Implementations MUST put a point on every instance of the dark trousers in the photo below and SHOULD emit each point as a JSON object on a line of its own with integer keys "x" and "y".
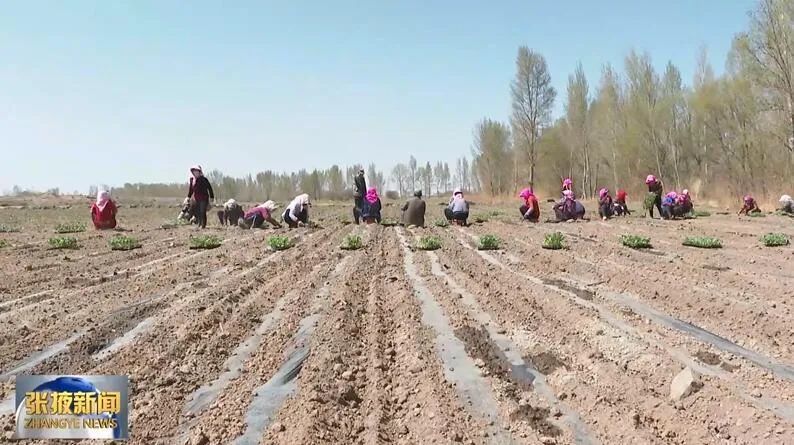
{"x": 201, "y": 213}
{"x": 657, "y": 202}
{"x": 621, "y": 209}
{"x": 605, "y": 210}
{"x": 302, "y": 217}
{"x": 457, "y": 216}
{"x": 666, "y": 211}
{"x": 357, "y": 203}
{"x": 523, "y": 209}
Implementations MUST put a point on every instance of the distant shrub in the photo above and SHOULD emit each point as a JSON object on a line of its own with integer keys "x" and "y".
{"x": 124, "y": 243}
{"x": 63, "y": 242}
{"x": 8, "y": 229}
{"x": 636, "y": 241}
{"x": 703, "y": 242}
{"x": 489, "y": 242}
{"x": 205, "y": 242}
{"x": 279, "y": 242}
{"x": 352, "y": 242}
{"x": 775, "y": 239}
{"x": 554, "y": 241}
{"x": 70, "y": 228}
{"x": 429, "y": 243}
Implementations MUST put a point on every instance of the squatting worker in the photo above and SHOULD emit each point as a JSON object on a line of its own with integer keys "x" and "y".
{"x": 530, "y": 210}
{"x": 256, "y": 217}
{"x": 414, "y": 211}
{"x": 750, "y": 205}
{"x": 371, "y": 207}
{"x": 103, "y": 211}
{"x": 201, "y": 192}
{"x": 360, "y": 188}
{"x": 231, "y": 213}
{"x": 297, "y": 212}
{"x": 458, "y": 208}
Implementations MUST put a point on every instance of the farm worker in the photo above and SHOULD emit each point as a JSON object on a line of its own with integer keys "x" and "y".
{"x": 255, "y": 217}
{"x": 103, "y": 211}
{"x": 683, "y": 204}
{"x": 458, "y": 208}
{"x": 620, "y": 203}
{"x": 668, "y": 202}
{"x": 530, "y": 210}
{"x": 568, "y": 209}
{"x": 297, "y": 212}
{"x": 371, "y": 206}
{"x": 654, "y": 198}
{"x": 750, "y": 206}
{"x": 786, "y": 204}
{"x": 201, "y": 192}
{"x": 231, "y": 213}
{"x": 605, "y": 207}
{"x": 414, "y": 211}
{"x": 187, "y": 210}
{"x": 360, "y": 188}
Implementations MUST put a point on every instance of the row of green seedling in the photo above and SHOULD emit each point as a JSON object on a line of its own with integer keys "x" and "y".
{"x": 70, "y": 228}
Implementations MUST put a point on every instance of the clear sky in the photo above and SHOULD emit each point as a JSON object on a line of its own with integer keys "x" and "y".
{"x": 137, "y": 91}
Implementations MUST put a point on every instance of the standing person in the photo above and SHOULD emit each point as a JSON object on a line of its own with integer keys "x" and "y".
{"x": 360, "y": 188}
{"x": 371, "y": 207}
{"x": 458, "y": 208}
{"x": 750, "y": 206}
{"x": 530, "y": 210}
{"x": 654, "y": 198}
{"x": 231, "y": 213}
{"x": 256, "y": 217}
{"x": 414, "y": 211}
{"x": 201, "y": 192}
{"x": 103, "y": 211}
{"x": 297, "y": 212}
{"x": 621, "y": 208}
{"x": 605, "y": 205}
{"x": 786, "y": 204}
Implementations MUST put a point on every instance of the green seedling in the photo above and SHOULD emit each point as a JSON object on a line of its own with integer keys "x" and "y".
{"x": 650, "y": 198}
{"x": 479, "y": 219}
{"x": 442, "y": 222}
{"x": 3, "y": 243}
{"x": 701, "y": 214}
{"x": 636, "y": 241}
{"x": 429, "y": 243}
{"x": 205, "y": 242}
{"x": 775, "y": 240}
{"x": 63, "y": 242}
{"x": 352, "y": 242}
{"x": 388, "y": 222}
{"x": 703, "y": 242}
{"x": 8, "y": 229}
{"x": 554, "y": 241}
{"x": 70, "y": 228}
{"x": 489, "y": 242}
{"x": 757, "y": 215}
{"x": 279, "y": 242}
{"x": 124, "y": 243}
{"x": 495, "y": 213}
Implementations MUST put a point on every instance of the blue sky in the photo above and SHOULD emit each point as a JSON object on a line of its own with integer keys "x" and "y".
{"x": 137, "y": 91}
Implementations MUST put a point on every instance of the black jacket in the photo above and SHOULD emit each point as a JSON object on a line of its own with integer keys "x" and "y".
{"x": 360, "y": 187}
{"x": 200, "y": 188}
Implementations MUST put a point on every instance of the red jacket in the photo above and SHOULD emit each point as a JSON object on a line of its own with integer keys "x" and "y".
{"x": 106, "y": 218}
{"x": 532, "y": 202}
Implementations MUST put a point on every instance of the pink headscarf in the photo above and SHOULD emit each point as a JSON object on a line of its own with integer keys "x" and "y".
{"x": 567, "y": 181}
{"x": 102, "y": 199}
{"x": 372, "y": 196}
{"x": 603, "y": 192}
{"x": 567, "y": 194}
{"x": 526, "y": 193}
{"x": 748, "y": 199}
{"x": 650, "y": 179}
{"x": 672, "y": 195}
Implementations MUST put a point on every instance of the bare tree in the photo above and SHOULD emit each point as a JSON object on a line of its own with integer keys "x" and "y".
{"x": 400, "y": 175}
{"x": 533, "y": 98}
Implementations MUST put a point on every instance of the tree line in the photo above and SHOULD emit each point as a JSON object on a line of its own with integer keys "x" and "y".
{"x": 334, "y": 183}
{"x": 732, "y": 133}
